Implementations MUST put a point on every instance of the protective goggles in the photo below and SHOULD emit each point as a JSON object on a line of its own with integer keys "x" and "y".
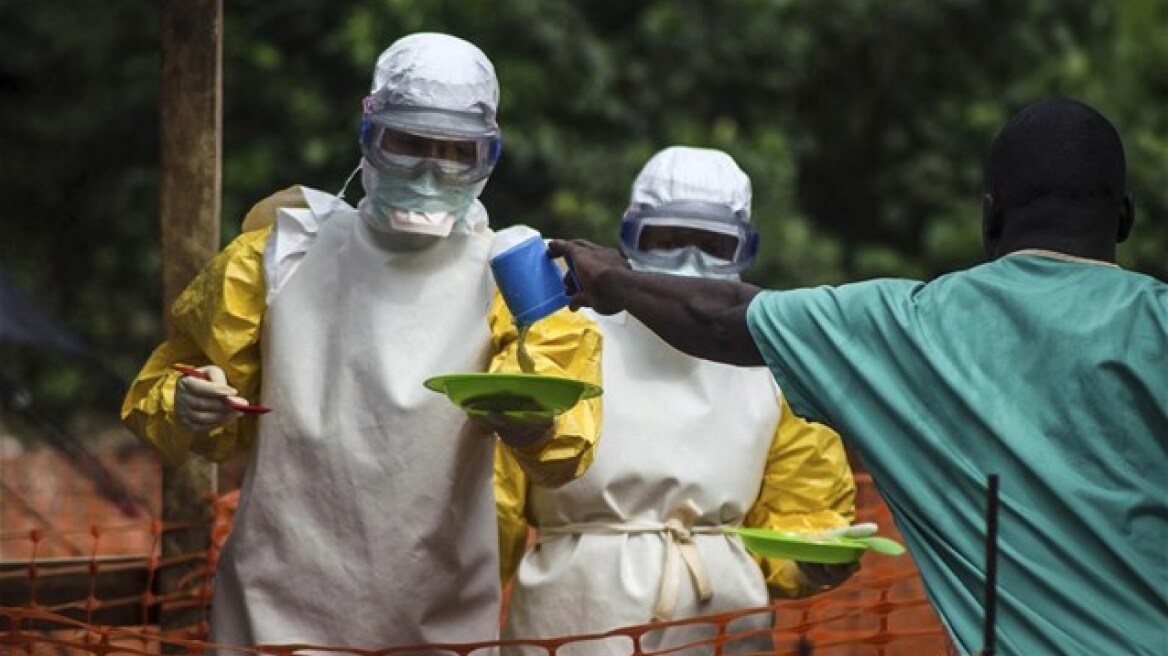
{"x": 406, "y": 142}
{"x": 661, "y": 236}
{"x": 406, "y": 154}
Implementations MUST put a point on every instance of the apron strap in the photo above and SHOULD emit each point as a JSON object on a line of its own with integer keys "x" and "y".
{"x": 680, "y": 548}
{"x": 681, "y": 553}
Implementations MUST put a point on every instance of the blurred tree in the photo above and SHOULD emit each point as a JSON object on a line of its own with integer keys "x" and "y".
{"x": 862, "y": 125}
{"x": 79, "y": 128}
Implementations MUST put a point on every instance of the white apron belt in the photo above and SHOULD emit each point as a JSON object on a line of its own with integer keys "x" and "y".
{"x": 677, "y": 531}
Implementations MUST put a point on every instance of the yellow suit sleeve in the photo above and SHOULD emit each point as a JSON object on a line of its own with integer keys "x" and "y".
{"x": 216, "y": 320}
{"x": 511, "y": 511}
{"x": 807, "y": 487}
{"x": 565, "y": 344}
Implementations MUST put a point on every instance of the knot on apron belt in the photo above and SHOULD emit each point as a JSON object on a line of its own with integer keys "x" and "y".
{"x": 679, "y": 548}
{"x": 678, "y": 530}
{"x": 681, "y": 554}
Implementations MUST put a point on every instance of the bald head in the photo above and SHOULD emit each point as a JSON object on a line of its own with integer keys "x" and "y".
{"x": 1056, "y": 179}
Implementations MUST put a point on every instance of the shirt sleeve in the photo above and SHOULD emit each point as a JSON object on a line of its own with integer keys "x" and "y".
{"x": 835, "y": 349}
{"x": 807, "y": 488}
{"x": 565, "y": 344}
{"x": 216, "y": 320}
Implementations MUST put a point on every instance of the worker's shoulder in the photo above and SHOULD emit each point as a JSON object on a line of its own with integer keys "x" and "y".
{"x": 1149, "y": 291}
{"x": 260, "y": 220}
{"x": 248, "y": 244}
{"x": 295, "y": 213}
{"x": 263, "y": 214}
{"x": 1146, "y": 283}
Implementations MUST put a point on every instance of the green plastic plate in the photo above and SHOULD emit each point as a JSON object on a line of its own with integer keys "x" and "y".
{"x": 512, "y": 394}
{"x": 796, "y": 546}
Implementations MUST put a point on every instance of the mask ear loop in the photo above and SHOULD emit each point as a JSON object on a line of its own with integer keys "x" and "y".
{"x": 341, "y": 194}
{"x": 368, "y": 105}
{"x": 339, "y": 197}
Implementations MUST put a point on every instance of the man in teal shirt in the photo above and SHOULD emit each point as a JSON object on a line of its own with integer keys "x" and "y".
{"x": 1048, "y": 366}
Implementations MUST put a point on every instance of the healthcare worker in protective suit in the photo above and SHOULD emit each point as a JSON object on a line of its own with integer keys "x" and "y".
{"x": 689, "y": 447}
{"x": 366, "y": 514}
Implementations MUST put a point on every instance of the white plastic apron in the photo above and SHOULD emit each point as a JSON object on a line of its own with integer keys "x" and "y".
{"x": 677, "y": 432}
{"x": 367, "y": 514}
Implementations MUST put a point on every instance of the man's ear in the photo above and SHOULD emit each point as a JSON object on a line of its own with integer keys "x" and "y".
{"x": 991, "y": 224}
{"x": 1127, "y": 216}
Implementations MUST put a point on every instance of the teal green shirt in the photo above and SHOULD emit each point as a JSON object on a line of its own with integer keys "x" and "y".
{"x": 1051, "y": 373}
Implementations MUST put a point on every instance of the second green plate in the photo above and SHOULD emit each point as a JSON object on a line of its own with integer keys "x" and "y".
{"x": 796, "y": 546}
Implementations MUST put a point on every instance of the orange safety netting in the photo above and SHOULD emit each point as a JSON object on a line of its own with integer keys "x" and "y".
{"x": 62, "y": 591}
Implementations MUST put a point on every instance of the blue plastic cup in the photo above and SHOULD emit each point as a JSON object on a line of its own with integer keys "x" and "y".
{"x": 531, "y": 283}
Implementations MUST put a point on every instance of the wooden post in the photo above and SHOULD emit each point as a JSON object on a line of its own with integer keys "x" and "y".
{"x": 192, "y": 66}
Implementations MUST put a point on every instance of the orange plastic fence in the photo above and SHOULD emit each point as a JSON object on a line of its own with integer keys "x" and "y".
{"x": 74, "y": 637}
{"x": 882, "y": 611}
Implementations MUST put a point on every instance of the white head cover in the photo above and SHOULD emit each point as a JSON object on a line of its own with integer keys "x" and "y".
{"x": 436, "y": 85}
{"x": 430, "y": 71}
{"x": 681, "y": 173}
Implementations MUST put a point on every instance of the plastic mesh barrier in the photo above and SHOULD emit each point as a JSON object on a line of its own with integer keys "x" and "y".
{"x": 91, "y": 589}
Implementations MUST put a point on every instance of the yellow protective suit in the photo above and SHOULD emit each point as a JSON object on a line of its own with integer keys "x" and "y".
{"x": 365, "y": 516}
{"x": 690, "y": 447}
{"x": 807, "y": 486}
{"x": 217, "y": 320}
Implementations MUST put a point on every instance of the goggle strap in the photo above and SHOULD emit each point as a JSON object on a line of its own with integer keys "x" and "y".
{"x": 713, "y": 226}
{"x": 698, "y": 209}
{"x": 379, "y": 111}
{"x": 494, "y": 144}
{"x": 751, "y": 246}
{"x": 628, "y": 233}
{"x": 363, "y": 132}
{"x": 496, "y": 149}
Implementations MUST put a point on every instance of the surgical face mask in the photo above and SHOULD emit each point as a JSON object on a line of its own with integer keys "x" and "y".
{"x": 688, "y": 262}
{"x": 417, "y": 205}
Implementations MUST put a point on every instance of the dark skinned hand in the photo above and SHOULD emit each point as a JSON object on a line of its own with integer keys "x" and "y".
{"x": 591, "y": 265}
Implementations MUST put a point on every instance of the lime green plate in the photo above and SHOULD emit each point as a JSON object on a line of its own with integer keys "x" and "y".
{"x": 797, "y": 546}
{"x": 512, "y": 394}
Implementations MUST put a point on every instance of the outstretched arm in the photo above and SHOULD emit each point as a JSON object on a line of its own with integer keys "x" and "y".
{"x": 701, "y": 317}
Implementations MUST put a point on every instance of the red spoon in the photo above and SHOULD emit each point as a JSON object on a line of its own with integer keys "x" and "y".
{"x": 233, "y": 402}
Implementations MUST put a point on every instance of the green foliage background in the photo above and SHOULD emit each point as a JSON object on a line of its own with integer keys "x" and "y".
{"x": 862, "y": 123}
